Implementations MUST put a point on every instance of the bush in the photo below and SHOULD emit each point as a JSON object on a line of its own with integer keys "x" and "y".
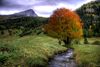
{"x": 86, "y": 41}
{"x": 6, "y": 48}
{"x": 8, "y": 55}
{"x": 96, "y": 43}
{"x": 3, "y": 58}
{"x": 27, "y": 32}
{"x": 2, "y": 32}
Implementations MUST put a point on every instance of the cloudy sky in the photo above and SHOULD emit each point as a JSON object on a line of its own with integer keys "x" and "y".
{"x": 41, "y": 7}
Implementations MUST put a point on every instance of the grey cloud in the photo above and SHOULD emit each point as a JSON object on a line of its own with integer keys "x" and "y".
{"x": 34, "y": 2}
{"x": 2, "y": 3}
{"x": 20, "y": 5}
{"x": 31, "y": 3}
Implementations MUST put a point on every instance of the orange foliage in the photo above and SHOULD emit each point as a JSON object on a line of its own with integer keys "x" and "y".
{"x": 64, "y": 23}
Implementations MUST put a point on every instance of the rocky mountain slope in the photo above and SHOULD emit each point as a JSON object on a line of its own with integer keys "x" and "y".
{"x": 26, "y": 13}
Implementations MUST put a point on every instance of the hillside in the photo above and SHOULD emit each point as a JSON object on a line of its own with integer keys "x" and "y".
{"x": 21, "y": 24}
{"x": 90, "y": 15}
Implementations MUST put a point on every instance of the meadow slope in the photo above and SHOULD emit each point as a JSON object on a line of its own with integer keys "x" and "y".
{"x": 28, "y": 51}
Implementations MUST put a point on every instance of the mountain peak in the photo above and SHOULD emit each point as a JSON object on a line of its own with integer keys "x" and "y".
{"x": 28, "y": 12}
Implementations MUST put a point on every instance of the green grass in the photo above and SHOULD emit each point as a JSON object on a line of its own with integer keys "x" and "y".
{"x": 88, "y": 55}
{"x": 34, "y": 51}
{"x": 30, "y": 51}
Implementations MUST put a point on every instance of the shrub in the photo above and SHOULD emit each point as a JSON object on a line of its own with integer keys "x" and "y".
{"x": 96, "y": 43}
{"x": 8, "y": 55}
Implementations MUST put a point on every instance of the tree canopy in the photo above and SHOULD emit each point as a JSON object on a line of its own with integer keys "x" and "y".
{"x": 64, "y": 24}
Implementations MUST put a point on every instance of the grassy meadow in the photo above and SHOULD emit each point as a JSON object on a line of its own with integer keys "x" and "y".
{"x": 88, "y": 55}
{"x": 28, "y": 51}
{"x": 35, "y": 51}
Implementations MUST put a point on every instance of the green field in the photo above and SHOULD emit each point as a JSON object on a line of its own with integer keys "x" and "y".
{"x": 88, "y": 55}
{"x": 35, "y": 50}
{"x": 28, "y": 51}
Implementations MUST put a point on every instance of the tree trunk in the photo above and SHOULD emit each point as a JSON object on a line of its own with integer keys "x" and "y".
{"x": 59, "y": 42}
{"x": 67, "y": 41}
{"x": 86, "y": 41}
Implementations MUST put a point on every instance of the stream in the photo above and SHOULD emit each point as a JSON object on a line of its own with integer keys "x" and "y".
{"x": 63, "y": 60}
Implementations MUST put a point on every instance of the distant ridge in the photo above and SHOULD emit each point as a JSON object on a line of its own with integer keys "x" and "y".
{"x": 26, "y": 13}
{"x": 29, "y": 12}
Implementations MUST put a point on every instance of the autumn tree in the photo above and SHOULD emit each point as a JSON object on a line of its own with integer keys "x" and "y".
{"x": 64, "y": 25}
